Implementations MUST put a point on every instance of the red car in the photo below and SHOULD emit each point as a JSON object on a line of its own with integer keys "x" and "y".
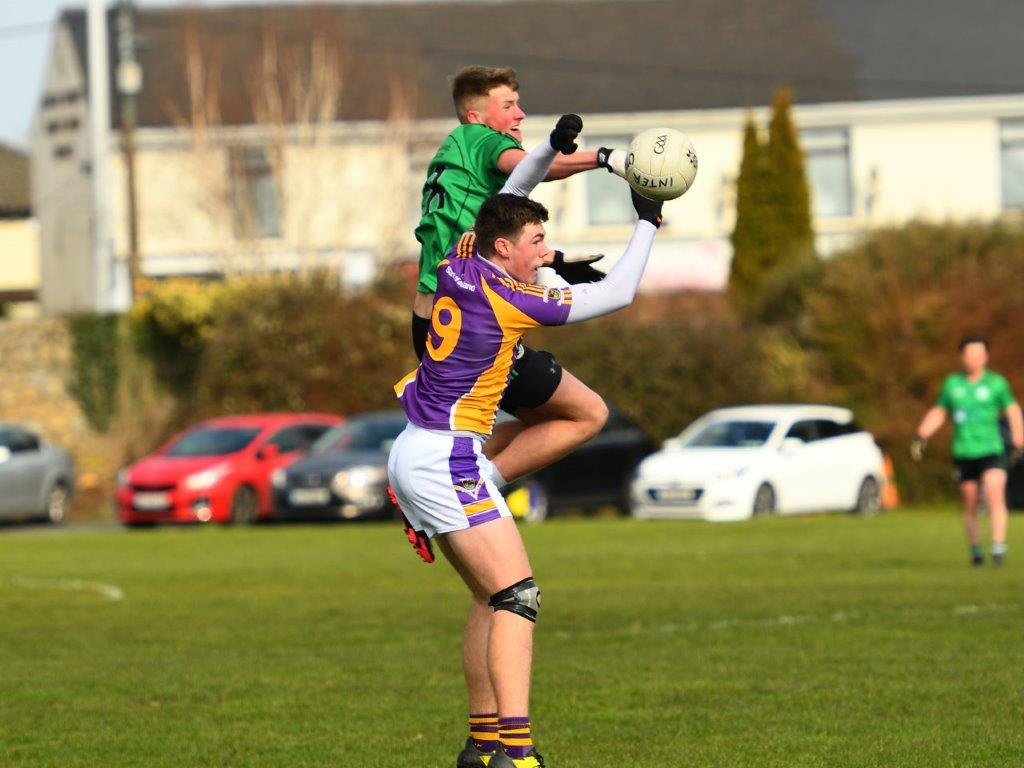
{"x": 218, "y": 470}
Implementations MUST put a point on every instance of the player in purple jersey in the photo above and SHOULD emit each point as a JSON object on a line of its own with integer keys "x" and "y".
{"x": 540, "y": 393}
{"x": 486, "y": 299}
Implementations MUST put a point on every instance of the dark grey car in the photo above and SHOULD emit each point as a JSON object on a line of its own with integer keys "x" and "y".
{"x": 36, "y": 479}
{"x": 344, "y": 476}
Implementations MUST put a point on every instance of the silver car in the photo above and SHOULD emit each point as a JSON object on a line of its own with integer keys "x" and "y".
{"x": 36, "y": 479}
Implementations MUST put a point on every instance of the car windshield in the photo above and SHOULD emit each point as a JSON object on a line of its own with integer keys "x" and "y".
{"x": 359, "y": 435}
{"x": 213, "y": 441}
{"x": 732, "y": 434}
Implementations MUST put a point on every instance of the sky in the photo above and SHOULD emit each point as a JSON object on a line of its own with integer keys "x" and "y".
{"x": 26, "y": 27}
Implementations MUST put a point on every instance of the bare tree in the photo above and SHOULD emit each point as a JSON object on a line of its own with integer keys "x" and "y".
{"x": 288, "y": 190}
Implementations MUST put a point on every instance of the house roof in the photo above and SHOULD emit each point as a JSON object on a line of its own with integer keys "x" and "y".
{"x": 14, "y": 189}
{"x": 581, "y": 55}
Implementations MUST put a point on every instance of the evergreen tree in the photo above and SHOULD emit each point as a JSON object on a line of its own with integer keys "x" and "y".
{"x": 750, "y": 237}
{"x": 773, "y": 238}
{"x": 791, "y": 197}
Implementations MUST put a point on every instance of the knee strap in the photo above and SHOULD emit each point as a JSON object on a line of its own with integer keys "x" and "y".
{"x": 522, "y": 599}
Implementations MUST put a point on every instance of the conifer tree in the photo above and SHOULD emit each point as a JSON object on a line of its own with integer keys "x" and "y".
{"x": 749, "y": 237}
{"x": 791, "y": 197}
{"x": 773, "y": 237}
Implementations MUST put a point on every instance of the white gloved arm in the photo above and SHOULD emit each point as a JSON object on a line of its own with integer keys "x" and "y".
{"x": 530, "y": 172}
{"x": 618, "y": 289}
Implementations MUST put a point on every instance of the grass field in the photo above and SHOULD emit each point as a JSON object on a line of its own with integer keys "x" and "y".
{"x": 822, "y": 641}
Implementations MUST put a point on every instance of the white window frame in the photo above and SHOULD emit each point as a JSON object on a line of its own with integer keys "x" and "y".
{"x": 600, "y": 179}
{"x": 242, "y": 167}
{"x": 1011, "y": 137}
{"x": 831, "y": 142}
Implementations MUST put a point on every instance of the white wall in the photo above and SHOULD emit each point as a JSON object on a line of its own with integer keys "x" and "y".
{"x": 934, "y": 159}
{"x": 60, "y": 187}
{"x": 356, "y": 191}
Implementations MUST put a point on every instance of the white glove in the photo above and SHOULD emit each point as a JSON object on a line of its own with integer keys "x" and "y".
{"x": 612, "y": 159}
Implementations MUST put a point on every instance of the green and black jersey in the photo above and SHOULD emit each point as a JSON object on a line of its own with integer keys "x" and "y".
{"x": 463, "y": 174}
{"x": 974, "y": 408}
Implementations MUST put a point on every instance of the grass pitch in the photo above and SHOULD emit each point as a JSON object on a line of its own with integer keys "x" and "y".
{"x": 822, "y": 641}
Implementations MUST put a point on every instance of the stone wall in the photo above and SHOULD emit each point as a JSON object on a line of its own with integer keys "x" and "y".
{"x": 35, "y": 368}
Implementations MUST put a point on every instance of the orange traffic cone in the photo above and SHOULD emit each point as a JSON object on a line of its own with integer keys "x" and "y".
{"x": 890, "y": 494}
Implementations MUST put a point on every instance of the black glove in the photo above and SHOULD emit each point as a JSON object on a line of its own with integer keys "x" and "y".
{"x": 577, "y": 269}
{"x": 917, "y": 448}
{"x": 1013, "y": 457}
{"x": 563, "y": 138}
{"x": 647, "y": 210}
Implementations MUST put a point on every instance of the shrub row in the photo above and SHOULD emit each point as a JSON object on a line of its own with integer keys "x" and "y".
{"x": 875, "y": 329}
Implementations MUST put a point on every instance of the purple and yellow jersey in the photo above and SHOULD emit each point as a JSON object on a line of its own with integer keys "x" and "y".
{"x": 479, "y": 315}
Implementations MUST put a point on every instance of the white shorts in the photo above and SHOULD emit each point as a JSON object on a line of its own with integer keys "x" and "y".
{"x": 443, "y": 481}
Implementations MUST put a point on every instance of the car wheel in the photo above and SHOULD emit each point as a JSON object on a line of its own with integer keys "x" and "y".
{"x": 243, "y": 505}
{"x": 58, "y": 504}
{"x": 869, "y": 497}
{"x": 764, "y": 500}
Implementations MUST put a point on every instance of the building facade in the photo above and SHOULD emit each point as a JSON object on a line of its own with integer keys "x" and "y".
{"x": 288, "y": 138}
{"x": 19, "y": 237}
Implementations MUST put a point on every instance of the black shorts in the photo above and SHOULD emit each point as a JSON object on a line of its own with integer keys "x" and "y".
{"x": 535, "y": 375}
{"x": 966, "y": 470}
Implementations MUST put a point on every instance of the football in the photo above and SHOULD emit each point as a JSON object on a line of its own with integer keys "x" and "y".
{"x": 661, "y": 164}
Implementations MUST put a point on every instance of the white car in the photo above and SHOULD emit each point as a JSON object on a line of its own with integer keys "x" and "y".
{"x": 735, "y": 463}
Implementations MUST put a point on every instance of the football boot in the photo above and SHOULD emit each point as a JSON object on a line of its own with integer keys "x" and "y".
{"x": 472, "y": 757}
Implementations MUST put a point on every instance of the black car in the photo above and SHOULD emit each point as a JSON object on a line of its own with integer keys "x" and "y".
{"x": 597, "y": 474}
{"x": 344, "y": 476}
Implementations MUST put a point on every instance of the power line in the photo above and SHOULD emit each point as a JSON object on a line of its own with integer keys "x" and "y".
{"x": 24, "y": 30}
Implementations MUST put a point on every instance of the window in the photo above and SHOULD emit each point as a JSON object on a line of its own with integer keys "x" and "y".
{"x": 804, "y": 430}
{"x": 828, "y": 171}
{"x": 732, "y": 434}
{"x": 212, "y": 441}
{"x": 608, "y": 203}
{"x": 19, "y": 441}
{"x": 299, "y": 437}
{"x": 372, "y": 434}
{"x": 254, "y": 193}
{"x": 1012, "y": 163}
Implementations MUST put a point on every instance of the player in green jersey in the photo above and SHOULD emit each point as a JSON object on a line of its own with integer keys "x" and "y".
{"x": 975, "y": 399}
{"x": 473, "y": 163}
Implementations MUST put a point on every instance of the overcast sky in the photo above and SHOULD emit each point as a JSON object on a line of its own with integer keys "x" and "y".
{"x": 25, "y": 31}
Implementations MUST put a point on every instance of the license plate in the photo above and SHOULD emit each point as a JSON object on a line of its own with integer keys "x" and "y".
{"x": 677, "y": 494}
{"x": 309, "y": 496}
{"x": 152, "y": 500}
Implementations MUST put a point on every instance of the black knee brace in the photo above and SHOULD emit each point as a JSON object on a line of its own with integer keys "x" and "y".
{"x": 522, "y": 598}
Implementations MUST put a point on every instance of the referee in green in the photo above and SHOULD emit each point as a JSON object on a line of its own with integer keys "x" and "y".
{"x": 974, "y": 399}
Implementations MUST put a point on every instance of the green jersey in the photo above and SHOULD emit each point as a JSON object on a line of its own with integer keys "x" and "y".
{"x": 463, "y": 174}
{"x": 975, "y": 407}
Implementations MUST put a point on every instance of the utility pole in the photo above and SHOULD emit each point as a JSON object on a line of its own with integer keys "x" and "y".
{"x": 99, "y": 135}
{"x": 129, "y": 83}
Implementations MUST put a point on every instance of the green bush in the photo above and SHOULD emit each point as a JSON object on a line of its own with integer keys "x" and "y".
{"x": 94, "y": 366}
{"x": 302, "y": 343}
{"x": 170, "y": 324}
{"x": 671, "y": 358}
{"x": 886, "y": 318}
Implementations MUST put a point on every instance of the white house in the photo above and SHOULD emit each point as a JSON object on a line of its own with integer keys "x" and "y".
{"x": 280, "y": 137}
{"x": 19, "y": 237}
